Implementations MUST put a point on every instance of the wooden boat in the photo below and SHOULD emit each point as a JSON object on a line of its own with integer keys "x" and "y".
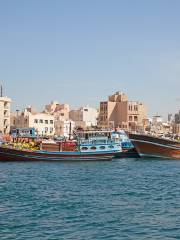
{"x": 7, "y": 154}
{"x": 150, "y": 146}
{"x": 86, "y": 150}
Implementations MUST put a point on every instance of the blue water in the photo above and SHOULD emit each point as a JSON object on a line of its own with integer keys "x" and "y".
{"x": 122, "y": 199}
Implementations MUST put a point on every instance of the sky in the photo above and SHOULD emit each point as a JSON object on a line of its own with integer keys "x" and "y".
{"x": 81, "y": 51}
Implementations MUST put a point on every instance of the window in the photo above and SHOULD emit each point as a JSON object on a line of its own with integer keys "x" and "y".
{"x": 41, "y": 120}
{"x": 51, "y": 121}
{"x": 102, "y": 147}
{"x": 84, "y": 148}
{"x": 62, "y": 114}
{"x": 85, "y": 110}
{"x": 35, "y": 120}
{"x": 46, "y": 121}
{"x": 46, "y": 129}
{"x": 135, "y": 108}
{"x": 93, "y": 148}
{"x": 135, "y": 118}
{"x": 51, "y": 129}
{"x": 130, "y": 118}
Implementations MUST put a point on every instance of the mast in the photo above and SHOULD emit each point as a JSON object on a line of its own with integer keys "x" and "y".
{"x": 70, "y": 130}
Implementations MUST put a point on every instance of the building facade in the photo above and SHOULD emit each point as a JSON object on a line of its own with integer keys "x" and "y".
{"x": 61, "y": 116}
{"x": 118, "y": 111}
{"x": 177, "y": 117}
{"x": 84, "y": 116}
{"x": 42, "y": 122}
{"x": 61, "y": 111}
{"x": 5, "y": 112}
{"x": 65, "y": 128}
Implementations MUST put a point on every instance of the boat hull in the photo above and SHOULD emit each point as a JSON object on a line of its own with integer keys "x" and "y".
{"x": 127, "y": 153}
{"x": 7, "y": 154}
{"x": 149, "y": 146}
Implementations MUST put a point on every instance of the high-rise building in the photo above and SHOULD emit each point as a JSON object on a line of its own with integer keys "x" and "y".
{"x": 170, "y": 118}
{"x": 177, "y": 117}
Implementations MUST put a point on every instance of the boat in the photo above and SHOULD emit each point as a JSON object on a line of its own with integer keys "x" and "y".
{"x": 156, "y": 147}
{"x": 93, "y": 148}
{"x": 117, "y": 135}
{"x": 128, "y": 149}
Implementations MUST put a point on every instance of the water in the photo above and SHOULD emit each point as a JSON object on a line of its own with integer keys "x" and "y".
{"x": 122, "y": 199}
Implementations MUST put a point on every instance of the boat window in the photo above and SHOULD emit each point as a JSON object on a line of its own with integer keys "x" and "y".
{"x": 102, "y": 147}
{"x": 93, "y": 148}
{"x": 84, "y": 148}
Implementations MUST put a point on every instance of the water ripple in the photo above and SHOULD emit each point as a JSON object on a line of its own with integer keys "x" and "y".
{"x": 122, "y": 199}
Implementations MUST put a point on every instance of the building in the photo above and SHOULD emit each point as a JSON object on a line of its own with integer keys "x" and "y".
{"x": 65, "y": 128}
{"x": 170, "y": 118}
{"x": 61, "y": 116}
{"x": 84, "y": 116}
{"x": 61, "y": 111}
{"x": 118, "y": 111}
{"x": 177, "y": 117}
{"x": 5, "y": 104}
{"x": 157, "y": 119}
{"x": 176, "y": 129}
{"x": 42, "y": 122}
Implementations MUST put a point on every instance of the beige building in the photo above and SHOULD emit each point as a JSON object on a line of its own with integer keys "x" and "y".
{"x": 60, "y": 111}
{"x": 42, "y": 122}
{"x": 118, "y": 111}
{"x": 61, "y": 116}
{"x": 65, "y": 128}
{"x": 5, "y": 104}
{"x": 84, "y": 116}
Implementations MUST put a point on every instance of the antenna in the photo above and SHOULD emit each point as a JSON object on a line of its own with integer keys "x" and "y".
{"x": 1, "y": 91}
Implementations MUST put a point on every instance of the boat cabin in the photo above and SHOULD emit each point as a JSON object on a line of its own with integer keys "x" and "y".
{"x": 92, "y": 141}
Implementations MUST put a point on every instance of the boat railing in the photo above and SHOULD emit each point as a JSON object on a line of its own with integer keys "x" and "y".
{"x": 96, "y": 141}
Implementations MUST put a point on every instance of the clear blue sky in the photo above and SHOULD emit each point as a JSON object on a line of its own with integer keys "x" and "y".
{"x": 81, "y": 51}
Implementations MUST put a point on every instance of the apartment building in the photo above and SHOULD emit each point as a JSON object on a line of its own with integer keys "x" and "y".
{"x": 5, "y": 105}
{"x": 42, "y": 122}
{"x": 84, "y": 116}
{"x": 61, "y": 116}
{"x": 118, "y": 111}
